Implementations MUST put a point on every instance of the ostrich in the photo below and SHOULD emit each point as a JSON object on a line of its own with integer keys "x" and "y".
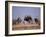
{"x": 37, "y": 21}
{"x": 28, "y": 19}
{"x": 16, "y": 21}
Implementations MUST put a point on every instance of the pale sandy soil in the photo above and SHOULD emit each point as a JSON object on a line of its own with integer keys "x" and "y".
{"x": 27, "y": 26}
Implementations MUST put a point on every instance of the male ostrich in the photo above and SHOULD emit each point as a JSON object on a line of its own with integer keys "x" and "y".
{"x": 28, "y": 19}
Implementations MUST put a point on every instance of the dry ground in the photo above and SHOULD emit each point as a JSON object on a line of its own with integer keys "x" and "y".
{"x": 27, "y": 26}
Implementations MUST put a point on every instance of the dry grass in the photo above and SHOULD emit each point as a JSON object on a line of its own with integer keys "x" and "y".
{"x": 27, "y": 26}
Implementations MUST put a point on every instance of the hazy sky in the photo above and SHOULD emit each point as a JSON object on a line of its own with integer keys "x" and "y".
{"x": 23, "y": 11}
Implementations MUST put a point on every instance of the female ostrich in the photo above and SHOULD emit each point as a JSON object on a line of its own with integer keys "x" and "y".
{"x": 37, "y": 21}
